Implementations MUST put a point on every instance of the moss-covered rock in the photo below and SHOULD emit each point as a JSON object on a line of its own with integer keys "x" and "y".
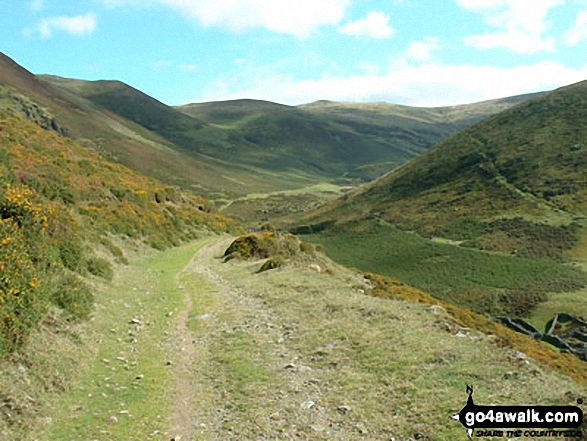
{"x": 279, "y": 248}
{"x": 263, "y": 245}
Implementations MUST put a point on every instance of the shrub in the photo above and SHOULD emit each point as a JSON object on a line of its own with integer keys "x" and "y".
{"x": 22, "y": 299}
{"x": 263, "y": 245}
{"x": 272, "y": 263}
{"x": 72, "y": 295}
{"x": 99, "y": 267}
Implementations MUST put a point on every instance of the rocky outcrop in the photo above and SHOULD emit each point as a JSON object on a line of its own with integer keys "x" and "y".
{"x": 564, "y": 331}
{"x": 31, "y": 111}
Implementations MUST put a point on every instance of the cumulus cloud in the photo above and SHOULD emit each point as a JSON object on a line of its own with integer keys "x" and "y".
{"x": 375, "y": 25}
{"x": 78, "y": 25}
{"x": 424, "y": 85}
{"x": 520, "y": 24}
{"x": 578, "y": 32}
{"x": 422, "y": 50}
{"x": 298, "y": 18}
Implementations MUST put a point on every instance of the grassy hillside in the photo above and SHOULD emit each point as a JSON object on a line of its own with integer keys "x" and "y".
{"x": 484, "y": 282}
{"x": 511, "y": 184}
{"x": 58, "y": 203}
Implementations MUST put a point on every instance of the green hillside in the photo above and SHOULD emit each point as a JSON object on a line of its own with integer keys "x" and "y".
{"x": 61, "y": 208}
{"x": 527, "y": 161}
{"x": 513, "y": 184}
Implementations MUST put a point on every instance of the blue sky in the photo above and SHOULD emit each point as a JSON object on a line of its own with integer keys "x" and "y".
{"x": 414, "y": 52}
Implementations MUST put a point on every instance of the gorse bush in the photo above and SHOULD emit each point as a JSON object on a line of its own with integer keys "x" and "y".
{"x": 33, "y": 241}
{"x": 57, "y": 200}
{"x": 21, "y": 297}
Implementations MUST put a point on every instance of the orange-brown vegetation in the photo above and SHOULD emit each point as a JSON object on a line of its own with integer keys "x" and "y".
{"x": 544, "y": 354}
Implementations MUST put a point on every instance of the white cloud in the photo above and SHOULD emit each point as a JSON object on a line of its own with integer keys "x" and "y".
{"x": 375, "y": 25}
{"x": 79, "y": 25}
{"x": 422, "y": 50}
{"x": 578, "y": 32}
{"x": 520, "y": 24}
{"x": 298, "y": 18}
{"x": 424, "y": 85}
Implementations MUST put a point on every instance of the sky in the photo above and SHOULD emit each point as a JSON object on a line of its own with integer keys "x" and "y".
{"x": 411, "y": 52}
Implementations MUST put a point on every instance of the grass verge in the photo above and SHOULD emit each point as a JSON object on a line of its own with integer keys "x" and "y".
{"x": 126, "y": 391}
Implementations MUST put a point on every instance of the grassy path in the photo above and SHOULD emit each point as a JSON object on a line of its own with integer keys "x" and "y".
{"x": 187, "y": 347}
{"x": 128, "y": 392}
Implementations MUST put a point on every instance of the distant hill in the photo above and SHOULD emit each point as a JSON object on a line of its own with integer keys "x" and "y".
{"x": 309, "y": 143}
{"x": 358, "y": 141}
{"x": 229, "y": 149}
{"x": 529, "y": 160}
{"x": 121, "y": 140}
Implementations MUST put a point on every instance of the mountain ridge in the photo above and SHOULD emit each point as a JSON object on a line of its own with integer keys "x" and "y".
{"x": 280, "y": 138}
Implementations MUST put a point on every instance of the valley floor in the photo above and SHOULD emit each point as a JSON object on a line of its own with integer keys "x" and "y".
{"x": 188, "y": 347}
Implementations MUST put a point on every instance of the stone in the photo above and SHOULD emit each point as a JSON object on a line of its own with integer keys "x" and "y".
{"x": 307, "y": 405}
{"x": 344, "y": 409}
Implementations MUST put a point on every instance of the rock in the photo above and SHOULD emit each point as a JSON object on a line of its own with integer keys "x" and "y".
{"x": 436, "y": 309}
{"x": 361, "y": 428}
{"x": 317, "y": 427}
{"x": 344, "y": 409}
{"x": 113, "y": 419}
{"x": 315, "y": 267}
{"x": 307, "y": 405}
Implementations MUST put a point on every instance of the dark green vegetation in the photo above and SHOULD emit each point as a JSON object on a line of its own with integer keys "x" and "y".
{"x": 60, "y": 207}
{"x": 481, "y": 281}
{"x": 512, "y": 184}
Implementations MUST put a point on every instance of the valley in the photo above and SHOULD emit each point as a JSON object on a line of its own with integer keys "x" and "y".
{"x": 372, "y": 245}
